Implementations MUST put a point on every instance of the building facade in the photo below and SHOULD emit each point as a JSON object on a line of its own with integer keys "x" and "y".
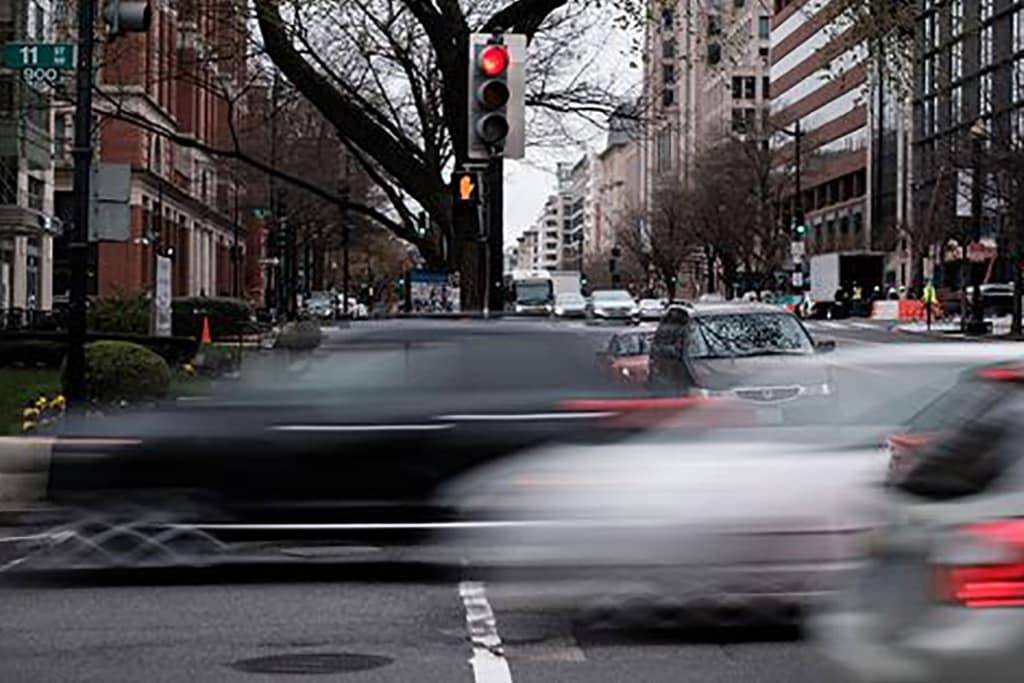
{"x": 28, "y": 226}
{"x": 968, "y": 100}
{"x": 820, "y": 90}
{"x": 175, "y": 82}
{"x": 617, "y": 179}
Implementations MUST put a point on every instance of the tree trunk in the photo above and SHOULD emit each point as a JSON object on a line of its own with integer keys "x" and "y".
{"x": 709, "y": 256}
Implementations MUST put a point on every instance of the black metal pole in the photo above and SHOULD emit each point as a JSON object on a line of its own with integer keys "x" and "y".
{"x": 491, "y": 256}
{"x": 236, "y": 280}
{"x": 977, "y": 317}
{"x": 79, "y": 242}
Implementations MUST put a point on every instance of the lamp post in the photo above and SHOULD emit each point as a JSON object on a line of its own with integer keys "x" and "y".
{"x": 978, "y": 133}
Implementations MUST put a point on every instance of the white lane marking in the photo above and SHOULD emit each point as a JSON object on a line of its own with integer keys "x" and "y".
{"x": 488, "y": 661}
{"x": 361, "y": 428}
{"x": 865, "y": 326}
{"x": 832, "y": 325}
{"x": 515, "y": 417}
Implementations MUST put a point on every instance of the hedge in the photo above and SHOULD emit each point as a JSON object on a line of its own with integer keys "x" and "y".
{"x": 121, "y": 314}
{"x": 49, "y": 348}
{"x": 122, "y": 371}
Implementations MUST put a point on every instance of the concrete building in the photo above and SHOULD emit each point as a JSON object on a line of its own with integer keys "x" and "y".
{"x": 617, "y": 182}
{"x": 27, "y": 223}
{"x": 578, "y": 191}
{"x": 550, "y": 230}
{"x": 179, "y": 77}
{"x": 528, "y": 250}
{"x": 704, "y": 80}
{"x": 828, "y": 99}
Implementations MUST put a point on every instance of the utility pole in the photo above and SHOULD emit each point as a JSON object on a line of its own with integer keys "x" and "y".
{"x": 492, "y": 252}
{"x": 977, "y": 133}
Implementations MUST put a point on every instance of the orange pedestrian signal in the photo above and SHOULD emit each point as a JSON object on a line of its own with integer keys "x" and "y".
{"x": 467, "y": 188}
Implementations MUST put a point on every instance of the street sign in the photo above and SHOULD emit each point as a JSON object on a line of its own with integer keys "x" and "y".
{"x": 797, "y": 250}
{"x": 798, "y": 278}
{"x": 59, "y": 56}
{"x": 110, "y": 217}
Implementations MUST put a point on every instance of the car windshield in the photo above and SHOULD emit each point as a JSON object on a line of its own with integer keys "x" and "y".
{"x": 652, "y": 303}
{"x": 632, "y": 344}
{"x": 319, "y": 298}
{"x": 735, "y": 335}
{"x": 569, "y": 299}
{"x": 613, "y": 296}
{"x": 532, "y": 293}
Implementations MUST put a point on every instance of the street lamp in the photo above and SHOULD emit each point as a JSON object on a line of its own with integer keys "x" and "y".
{"x": 799, "y": 227}
{"x": 978, "y": 133}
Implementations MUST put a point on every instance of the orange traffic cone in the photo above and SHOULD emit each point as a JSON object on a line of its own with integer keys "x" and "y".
{"x": 207, "y": 337}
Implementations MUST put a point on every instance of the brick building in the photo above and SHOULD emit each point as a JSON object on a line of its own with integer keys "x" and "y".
{"x": 180, "y": 78}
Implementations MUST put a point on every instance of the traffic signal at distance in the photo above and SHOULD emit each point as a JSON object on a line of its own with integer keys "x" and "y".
{"x": 496, "y": 96}
{"x": 799, "y": 226}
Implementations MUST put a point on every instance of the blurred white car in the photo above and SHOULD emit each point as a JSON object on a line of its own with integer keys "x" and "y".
{"x": 570, "y": 305}
{"x": 944, "y": 597}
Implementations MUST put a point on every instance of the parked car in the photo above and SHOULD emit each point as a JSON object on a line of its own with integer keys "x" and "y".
{"x": 652, "y": 309}
{"x": 320, "y": 305}
{"x": 570, "y": 305}
{"x": 626, "y": 356}
{"x": 714, "y": 350}
{"x": 944, "y": 597}
{"x": 612, "y": 305}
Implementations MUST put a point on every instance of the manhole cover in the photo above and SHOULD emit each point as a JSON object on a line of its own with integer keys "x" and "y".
{"x": 312, "y": 663}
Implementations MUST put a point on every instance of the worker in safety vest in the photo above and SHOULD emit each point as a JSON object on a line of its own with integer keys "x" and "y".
{"x": 930, "y": 298}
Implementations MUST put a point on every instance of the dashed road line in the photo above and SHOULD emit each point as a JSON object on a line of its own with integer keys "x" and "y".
{"x": 488, "y": 661}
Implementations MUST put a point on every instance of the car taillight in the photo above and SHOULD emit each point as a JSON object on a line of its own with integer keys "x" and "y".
{"x": 982, "y": 565}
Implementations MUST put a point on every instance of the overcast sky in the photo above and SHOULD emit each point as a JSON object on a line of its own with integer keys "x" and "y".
{"x": 529, "y": 182}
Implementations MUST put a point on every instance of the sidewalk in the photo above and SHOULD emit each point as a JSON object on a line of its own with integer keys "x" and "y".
{"x": 951, "y": 328}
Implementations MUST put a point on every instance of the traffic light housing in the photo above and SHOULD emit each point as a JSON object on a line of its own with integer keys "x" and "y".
{"x": 127, "y": 16}
{"x": 799, "y": 225}
{"x": 496, "y": 96}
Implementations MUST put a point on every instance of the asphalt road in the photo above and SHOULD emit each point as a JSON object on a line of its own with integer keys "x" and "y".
{"x": 403, "y": 628}
{"x": 368, "y": 621}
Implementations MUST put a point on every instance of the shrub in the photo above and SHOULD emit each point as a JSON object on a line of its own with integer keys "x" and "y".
{"x": 121, "y": 314}
{"x": 28, "y": 352}
{"x": 228, "y": 317}
{"x": 217, "y": 359}
{"x": 303, "y": 335}
{"x": 123, "y": 371}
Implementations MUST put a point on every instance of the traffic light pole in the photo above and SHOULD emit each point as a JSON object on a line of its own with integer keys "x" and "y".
{"x": 79, "y": 242}
{"x": 492, "y": 247}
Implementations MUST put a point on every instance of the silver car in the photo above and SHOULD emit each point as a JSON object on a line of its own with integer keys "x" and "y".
{"x": 570, "y": 305}
{"x": 612, "y": 305}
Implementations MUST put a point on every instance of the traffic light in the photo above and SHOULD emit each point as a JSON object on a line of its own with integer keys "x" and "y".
{"x": 466, "y": 186}
{"x": 799, "y": 226}
{"x": 126, "y": 16}
{"x": 496, "y": 96}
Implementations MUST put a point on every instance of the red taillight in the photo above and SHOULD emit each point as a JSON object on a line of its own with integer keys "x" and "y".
{"x": 996, "y": 577}
{"x": 1005, "y": 374}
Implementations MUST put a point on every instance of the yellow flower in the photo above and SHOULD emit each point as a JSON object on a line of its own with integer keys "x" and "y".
{"x": 28, "y": 426}
{"x": 188, "y": 368}
{"x": 58, "y": 402}
{"x": 41, "y": 402}
{"x": 30, "y": 413}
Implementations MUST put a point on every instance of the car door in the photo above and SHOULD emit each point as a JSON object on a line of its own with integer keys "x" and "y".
{"x": 665, "y": 359}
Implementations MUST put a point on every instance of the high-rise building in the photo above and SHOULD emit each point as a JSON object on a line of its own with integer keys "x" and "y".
{"x": 704, "y": 81}
{"x": 27, "y": 223}
{"x": 819, "y": 89}
{"x": 968, "y": 97}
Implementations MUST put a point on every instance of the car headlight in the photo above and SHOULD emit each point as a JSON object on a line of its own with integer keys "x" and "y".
{"x": 519, "y": 308}
{"x": 625, "y": 372}
{"x": 635, "y": 310}
{"x": 559, "y": 310}
{"x": 823, "y": 389}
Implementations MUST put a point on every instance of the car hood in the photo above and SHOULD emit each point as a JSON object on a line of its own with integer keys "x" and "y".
{"x": 758, "y": 371}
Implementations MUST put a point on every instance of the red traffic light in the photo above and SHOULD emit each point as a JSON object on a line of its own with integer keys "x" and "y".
{"x": 493, "y": 94}
{"x": 494, "y": 60}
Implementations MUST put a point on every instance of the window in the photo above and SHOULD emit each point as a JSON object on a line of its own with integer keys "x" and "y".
{"x": 956, "y": 61}
{"x": 956, "y": 105}
{"x": 36, "y": 193}
{"x": 739, "y": 3}
{"x": 714, "y": 25}
{"x": 929, "y": 30}
{"x": 8, "y": 180}
{"x": 1018, "y": 81}
{"x": 928, "y": 76}
{"x": 764, "y": 28}
{"x": 668, "y": 74}
{"x": 40, "y": 23}
{"x": 956, "y": 17}
{"x": 986, "y": 46}
{"x": 743, "y": 120}
{"x": 667, "y": 19}
{"x": 1017, "y": 121}
{"x": 668, "y": 97}
{"x": 985, "y": 9}
{"x": 766, "y": 89}
{"x": 762, "y": 51}
{"x": 1018, "y": 30}
{"x": 749, "y": 83}
{"x": 714, "y": 53}
{"x": 737, "y": 87}
{"x": 668, "y": 49}
{"x": 985, "y": 94}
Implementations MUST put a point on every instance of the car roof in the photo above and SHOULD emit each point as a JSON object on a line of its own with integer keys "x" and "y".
{"x": 728, "y": 307}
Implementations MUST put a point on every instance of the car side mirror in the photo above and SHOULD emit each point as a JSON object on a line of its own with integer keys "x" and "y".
{"x": 825, "y": 346}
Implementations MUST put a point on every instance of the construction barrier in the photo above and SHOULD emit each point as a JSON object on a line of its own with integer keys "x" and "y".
{"x": 904, "y": 309}
{"x": 885, "y": 310}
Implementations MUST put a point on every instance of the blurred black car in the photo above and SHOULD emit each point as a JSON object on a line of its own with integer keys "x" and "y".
{"x": 353, "y": 441}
